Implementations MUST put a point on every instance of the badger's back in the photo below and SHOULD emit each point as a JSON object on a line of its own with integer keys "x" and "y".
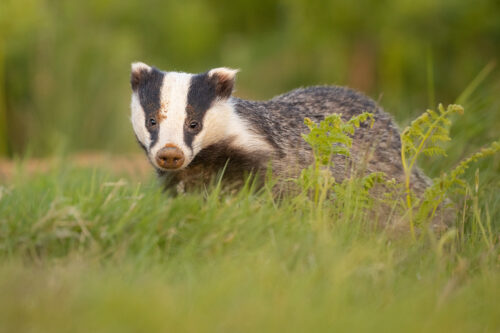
{"x": 281, "y": 121}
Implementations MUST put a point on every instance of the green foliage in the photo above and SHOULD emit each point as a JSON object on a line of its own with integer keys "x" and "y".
{"x": 331, "y": 137}
{"x": 424, "y": 136}
{"x": 352, "y": 198}
{"x": 450, "y": 183}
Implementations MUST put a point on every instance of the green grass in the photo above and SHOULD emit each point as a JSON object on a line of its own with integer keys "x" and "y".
{"x": 85, "y": 250}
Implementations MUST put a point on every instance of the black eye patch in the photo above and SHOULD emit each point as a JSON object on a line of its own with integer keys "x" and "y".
{"x": 149, "y": 88}
{"x": 201, "y": 95}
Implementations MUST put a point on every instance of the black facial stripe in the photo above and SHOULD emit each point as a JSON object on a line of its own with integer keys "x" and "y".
{"x": 201, "y": 95}
{"x": 149, "y": 97}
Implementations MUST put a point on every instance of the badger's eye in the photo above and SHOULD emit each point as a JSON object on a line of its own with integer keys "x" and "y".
{"x": 193, "y": 125}
{"x": 152, "y": 121}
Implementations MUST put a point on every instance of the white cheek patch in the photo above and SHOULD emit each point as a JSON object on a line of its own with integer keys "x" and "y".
{"x": 138, "y": 120}
{"x": 215, "y": 127}
{"x": 222, "y": 123}
{"x": 173, "y": 114}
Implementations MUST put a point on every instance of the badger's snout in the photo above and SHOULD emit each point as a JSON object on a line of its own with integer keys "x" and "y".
{"x": 170, "y": 157}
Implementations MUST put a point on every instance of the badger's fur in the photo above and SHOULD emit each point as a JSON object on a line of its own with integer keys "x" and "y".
{"x": 191, "y": 127}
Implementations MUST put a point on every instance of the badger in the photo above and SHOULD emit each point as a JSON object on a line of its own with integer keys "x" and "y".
{"x": 191, "y": 127}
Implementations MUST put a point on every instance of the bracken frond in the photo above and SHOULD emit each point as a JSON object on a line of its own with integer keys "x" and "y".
{"x": 332, "y": 136}
{"x": 451, "y": 182}
{"x": 424, "y": 136}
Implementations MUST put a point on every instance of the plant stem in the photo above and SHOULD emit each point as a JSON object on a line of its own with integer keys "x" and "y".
{"x": 407, "y": 186}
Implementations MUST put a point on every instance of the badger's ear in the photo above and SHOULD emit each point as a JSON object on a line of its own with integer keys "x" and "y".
{"x": 139, "y": 72}
{"x": 224, "y": 81}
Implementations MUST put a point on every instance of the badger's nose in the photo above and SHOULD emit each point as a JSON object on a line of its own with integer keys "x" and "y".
{"x": 170, "y": 157}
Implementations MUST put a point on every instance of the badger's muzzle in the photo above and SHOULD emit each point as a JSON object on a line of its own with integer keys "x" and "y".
{"x": 170, "y": 157}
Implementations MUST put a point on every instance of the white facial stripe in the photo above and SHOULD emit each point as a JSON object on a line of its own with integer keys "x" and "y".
{"x": 220, "y": 123}
{"x": 174, "y": 101}
{"x": 139, "y": 121}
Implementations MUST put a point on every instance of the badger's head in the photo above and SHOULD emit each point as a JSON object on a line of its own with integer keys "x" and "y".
{"x": 175, "y": 115}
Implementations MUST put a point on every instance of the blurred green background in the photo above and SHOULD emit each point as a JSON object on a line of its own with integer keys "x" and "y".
{"x": 64, "y": 65}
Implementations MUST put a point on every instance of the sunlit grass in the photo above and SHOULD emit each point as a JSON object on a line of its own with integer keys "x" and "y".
{"x": 85, "y": 250}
